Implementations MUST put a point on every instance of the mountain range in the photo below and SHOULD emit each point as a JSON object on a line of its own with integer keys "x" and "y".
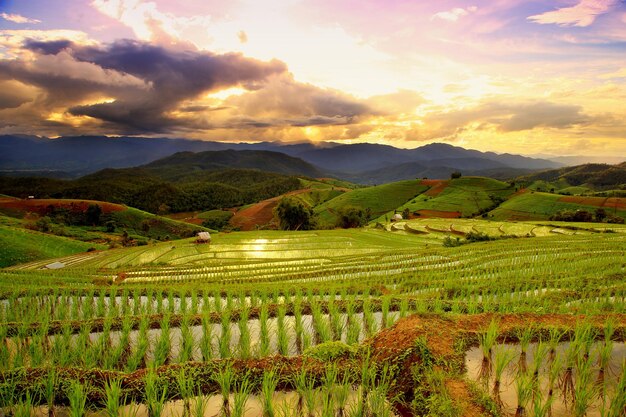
{"x": 364, "y": 163}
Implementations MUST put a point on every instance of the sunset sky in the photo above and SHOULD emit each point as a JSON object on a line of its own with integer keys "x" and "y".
{"x": 519, "y": 76}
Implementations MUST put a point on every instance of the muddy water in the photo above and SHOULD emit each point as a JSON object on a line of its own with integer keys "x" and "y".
{"x": 284, "y": 403}
{"x": 473, "y": 360}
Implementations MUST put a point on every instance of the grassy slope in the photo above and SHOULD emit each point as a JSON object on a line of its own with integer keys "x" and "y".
{"x": 20, "y": 245}
{"x": 134, "y": 221}
{"x": 466, "y": 195}
{"x": 539, "y": 206}
{"x": 380, "y": 199}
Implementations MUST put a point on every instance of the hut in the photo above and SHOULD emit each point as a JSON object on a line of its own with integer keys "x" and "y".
{"x": 203, "y": 237}
{"x": 396, "y": 217}
{"x": 55, "y": 265}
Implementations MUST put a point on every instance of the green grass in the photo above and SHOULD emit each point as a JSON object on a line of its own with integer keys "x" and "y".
{"x": 380, "y": 199}
{"x": 539, "y": 206}
{"x": 325, "y": 183}
{"x": 20, "y": 245}
{"x": 141, "y": 223}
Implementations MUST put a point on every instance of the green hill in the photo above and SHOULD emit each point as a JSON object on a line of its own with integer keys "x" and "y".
{"x": 591, "y": 176}
{"x": 461, "y": 197}
{"x": 19, "y": 245}
{"x": 379, "y": 199}
{"x": 539, "y": 206}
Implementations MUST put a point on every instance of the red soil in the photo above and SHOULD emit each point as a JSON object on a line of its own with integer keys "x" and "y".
{"x": 616, "y": 202}
{"x": 436, "y": 186}
{"x": 42, "y": 206}
{"x": 261, "y": 213}
{"x": 424, "y": 214}
{"x": 613, "y": 202}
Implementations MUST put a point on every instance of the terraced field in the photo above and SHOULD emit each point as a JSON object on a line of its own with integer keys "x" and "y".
{"x": 371, "y": 322}
{"x": 537, "y": 205}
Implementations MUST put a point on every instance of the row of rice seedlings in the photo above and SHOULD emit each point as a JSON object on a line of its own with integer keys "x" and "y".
{"x": 579, "y": 391}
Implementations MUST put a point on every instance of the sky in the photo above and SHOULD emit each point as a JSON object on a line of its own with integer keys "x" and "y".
{"x": 519, "y": 76}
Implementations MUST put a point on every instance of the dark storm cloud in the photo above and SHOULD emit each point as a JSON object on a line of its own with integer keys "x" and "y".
{"x": 47, "y": 47}
{"x": 163, "y": 78}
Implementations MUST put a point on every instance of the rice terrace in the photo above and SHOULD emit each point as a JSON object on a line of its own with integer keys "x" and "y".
{"x": 312, "y": 208}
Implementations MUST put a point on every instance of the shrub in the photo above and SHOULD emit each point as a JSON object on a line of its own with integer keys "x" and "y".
{"x": 329, "y": 351}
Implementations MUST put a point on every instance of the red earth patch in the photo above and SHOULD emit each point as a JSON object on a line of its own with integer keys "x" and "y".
{"x": 42, "y": 206}
{"x": 612, "y": 202}
{"x": 436, "y": 186}
{"x": 437, "y": 213}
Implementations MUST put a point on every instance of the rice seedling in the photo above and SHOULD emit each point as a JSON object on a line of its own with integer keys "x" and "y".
{"x": 604, "y": 355}
{"x": 554, "y": 372}
{"x": 245, "y": 344}
{"x": 282, "y": 336}
{"x": 336, "y": 322}
{"x": 206, "y": 341}
{"x": 25, "y": 407}
{"x": 341, "y": 394}
{"x": 298, "y": 326}
{"x": 163, "y": 344}
{"x": 77, "y": 398}
{"x": 487, "y": 340}
{"x": 264, "y": 347}
{"x": 185, "y": 353}
{"x": 618, "y": 404}
{"x": 241, "y": 396}
{"x": 200, "y": 404}
{"x": 287, "y": 409}
{"x": 524, "y": 392}
{"x": 186, "y": 388}
{"x": 541, "y": 352}
{"x": 378, "y": 403}
{"x": 155, "y": 394}
{"x": 584, "y": 391}
{"x": 525, "y": 336}
{"x": 113, "y": 397}
{"x": 225, "y": 379}
{"x": 268, "y": 387}
{"x": 502, "y": 359}
{"x": 386, "y": 320}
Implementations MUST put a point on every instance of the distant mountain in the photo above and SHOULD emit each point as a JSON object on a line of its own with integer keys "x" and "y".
{"x": 594, "y": 175}
{"x": 582, "y": 159}
{"x": 80, "y": 155}
{"x": 438, "y": 169}
{"x": 367, "y": 157}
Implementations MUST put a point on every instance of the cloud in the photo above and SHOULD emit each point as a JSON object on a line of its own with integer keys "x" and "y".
{"x": 454, "y": 14}
{"x": 16, "y": 18}
{"x": 504, "y": 117}
{"x": 400, "y": 102}
{"x": 583, "y": 14}
{"x": 13, "y": 94}
{"x": 145, "y": 81}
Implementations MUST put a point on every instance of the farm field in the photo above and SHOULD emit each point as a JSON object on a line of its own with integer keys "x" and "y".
{"x": 455, "y": 198}
{"x": 538, "y": 205}
{"x": 368, "y": 322}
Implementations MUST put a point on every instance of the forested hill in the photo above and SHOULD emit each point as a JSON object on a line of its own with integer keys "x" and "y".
{"x": 183, "y": 165}
{"x": 140, "y": 188}
{"x": 597, "y": 176}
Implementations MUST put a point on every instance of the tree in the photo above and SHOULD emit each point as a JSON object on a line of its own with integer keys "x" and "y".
{"x": 94, "y": 211}
{"x": 600, "y": 214}
{"x": 350, "y": 216}
{"x": 293, "y": 214}
{"x": 406, "y": 213}
{"x": 455, "y": 175}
